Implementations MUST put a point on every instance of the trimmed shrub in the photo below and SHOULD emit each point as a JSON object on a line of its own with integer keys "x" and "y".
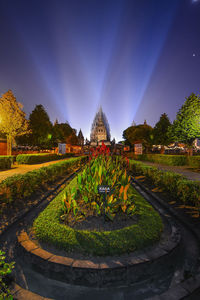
{"x": 6, "y": 162}
{"x": 175, "y": 184}
{"x": 170, "y": 160}
{"x": 40, "y": 158}
{"x": 194, "y": 161}
{"x": 22, "y": 186}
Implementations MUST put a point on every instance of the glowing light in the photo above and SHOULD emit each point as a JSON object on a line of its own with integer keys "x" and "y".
{"x": 97, "y": 54}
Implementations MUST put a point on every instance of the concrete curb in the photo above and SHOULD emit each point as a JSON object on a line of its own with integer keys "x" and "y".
{"x": 19, "y": 293}
{"x": 106, "y": 271}
{"x": 189, "y": 286}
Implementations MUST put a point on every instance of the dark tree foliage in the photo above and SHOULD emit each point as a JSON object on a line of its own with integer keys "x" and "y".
{"x": 41, "y": 128}
{"x": 142, "y": 133}
{"x": 186, "y": 126}
{"x": 160, "y": 131}
{"x": 64, "y": 133}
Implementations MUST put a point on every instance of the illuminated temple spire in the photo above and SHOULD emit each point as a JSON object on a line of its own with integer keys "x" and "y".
{"x": 100, "y": 130}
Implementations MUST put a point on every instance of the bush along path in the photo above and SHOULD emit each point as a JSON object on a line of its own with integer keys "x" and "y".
{"x": 176, "y": 186}
{"x": 169, "y": 160}
{"x": 40, "y": 158}
{"x": 19, "y": 193}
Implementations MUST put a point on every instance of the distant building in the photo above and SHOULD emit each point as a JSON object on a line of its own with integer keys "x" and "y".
{"x": 100, "y": 131}
{"x": 133, "y": 123}
{"x": 197, "y": 143}
{"x": 80, "y": 138}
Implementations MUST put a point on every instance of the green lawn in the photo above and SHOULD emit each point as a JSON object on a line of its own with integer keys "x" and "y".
{"x": 146, "y": 232}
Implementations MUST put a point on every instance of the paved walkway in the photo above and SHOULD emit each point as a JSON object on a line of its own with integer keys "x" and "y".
{"x": 22, "y": 169}
{"x": 183, "y": 170}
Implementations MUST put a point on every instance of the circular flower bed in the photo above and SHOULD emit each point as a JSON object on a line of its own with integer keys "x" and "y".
{"x": 63, "y": 222}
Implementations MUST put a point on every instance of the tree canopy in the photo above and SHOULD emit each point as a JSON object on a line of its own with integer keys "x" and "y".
{"x": 160, "y": 131}
{"x": 64, "y": 133}
{"x": 41, "y": 128}
{"x": 142, "y": 133}
{"x": 186, "y": 126}
{"x": 12, "y": 118}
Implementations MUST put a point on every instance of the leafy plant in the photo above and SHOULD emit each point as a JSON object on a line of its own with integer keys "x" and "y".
{"x": 103, "y": 169}
{"x": 69, "y": 203}
{"x": 5, "y": 270}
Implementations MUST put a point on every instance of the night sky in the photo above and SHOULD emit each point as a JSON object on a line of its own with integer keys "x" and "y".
{"x": 137, "y": 58}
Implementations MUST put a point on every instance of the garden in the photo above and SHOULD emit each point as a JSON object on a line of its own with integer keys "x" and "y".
{"x": 83, "y": 220}
{"x": 98, "y": 215}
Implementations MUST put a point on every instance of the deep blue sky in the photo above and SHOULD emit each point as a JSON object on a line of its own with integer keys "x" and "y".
{"x": 137, "y": 58}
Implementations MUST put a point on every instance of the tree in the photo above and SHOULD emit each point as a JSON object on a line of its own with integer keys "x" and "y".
{"x": 160, "y": 131}
{"x": 186, "y": 126}
{"x": 72, "y": 139}
{"x": 41, "y": 128}
{"x": 142, "y": 133}
{"x": 12, "y": 119}
{"x": 63, "y": 133}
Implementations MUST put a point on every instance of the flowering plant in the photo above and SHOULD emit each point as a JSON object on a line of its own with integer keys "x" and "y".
{"x": 103, "y": 169}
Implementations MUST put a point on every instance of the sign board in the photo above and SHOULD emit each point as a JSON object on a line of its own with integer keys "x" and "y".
{"x": 61, "y": 148}
{"x": 103, "y": 189}
{"x": 138, "y": 148}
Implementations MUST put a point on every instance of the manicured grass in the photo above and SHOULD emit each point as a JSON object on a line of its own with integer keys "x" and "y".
{"x": 147, "y": 231}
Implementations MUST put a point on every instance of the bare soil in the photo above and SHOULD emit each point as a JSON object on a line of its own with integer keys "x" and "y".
{"x": 99, "y": 223}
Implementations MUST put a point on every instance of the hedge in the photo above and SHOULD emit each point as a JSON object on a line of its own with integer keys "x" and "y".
{"x": 40, "y": 157}
{"x": 145, "y": 232}
{"x": 170, "y": 160}
{"x": 21, "y": 186}
{"x": 194, "y": 161}
{"x": 6, "y": 162}
{"x": 176, "y": 185}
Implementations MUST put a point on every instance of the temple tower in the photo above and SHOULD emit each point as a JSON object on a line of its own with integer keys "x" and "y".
{"x": 100, "y": 130}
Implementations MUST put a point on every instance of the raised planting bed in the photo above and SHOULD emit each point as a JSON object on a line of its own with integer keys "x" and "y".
{"x": 31, "y": 159}
{"x": 176, "y": 185}
{"x": 17, "y": 187}
{"x": 79, "y": 220}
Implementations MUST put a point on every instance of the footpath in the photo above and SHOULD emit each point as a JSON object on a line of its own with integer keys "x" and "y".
{"x": 22, "y": 169}
{"x": 183, "y": 170}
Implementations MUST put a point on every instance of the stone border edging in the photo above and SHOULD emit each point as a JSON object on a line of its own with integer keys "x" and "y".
{"x": 22, "y": 294}
{"x": 188, "y": 286}
{"x": 104, "y": 271}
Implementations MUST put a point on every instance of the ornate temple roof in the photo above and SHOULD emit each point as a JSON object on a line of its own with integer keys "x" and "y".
{"x": 100, "y": 121}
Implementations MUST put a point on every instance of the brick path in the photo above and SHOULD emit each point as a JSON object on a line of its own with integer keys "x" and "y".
{"x": 183, "y": 170}
{"x": 22, "y": 169}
